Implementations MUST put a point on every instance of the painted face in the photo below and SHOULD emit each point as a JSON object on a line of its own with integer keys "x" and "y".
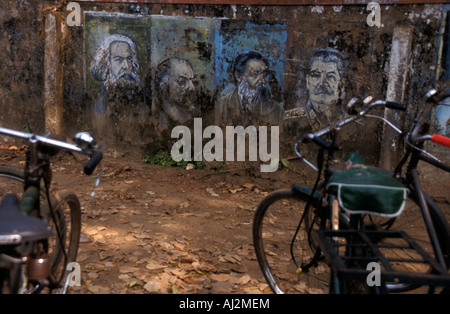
{"x": 121, "y": 59}
{"x": 323, "y": 84}
{"x": 181, "y": 82}
{"x": 255, "y": 72}
{"x": 254, "y": 88}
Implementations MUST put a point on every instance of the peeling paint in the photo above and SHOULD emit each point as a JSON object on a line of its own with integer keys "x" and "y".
{"x": 233, "y": 7}
{"x": 317, "y": 9}
{"x": 337, "y": 9}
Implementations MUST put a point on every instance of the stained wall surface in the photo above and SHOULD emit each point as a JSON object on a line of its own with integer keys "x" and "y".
{"x": 130, "y": 73}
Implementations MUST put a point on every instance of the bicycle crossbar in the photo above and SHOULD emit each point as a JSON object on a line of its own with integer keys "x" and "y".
{"x": 349, "y": 266}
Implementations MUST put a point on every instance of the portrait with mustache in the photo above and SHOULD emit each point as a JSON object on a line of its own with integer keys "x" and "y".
{"x": 325, "y": 87}
{"x": 256, "y": 95}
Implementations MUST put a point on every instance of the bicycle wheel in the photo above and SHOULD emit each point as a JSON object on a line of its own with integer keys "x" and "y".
{"x": 11, "y": 181}
{"x": 412, "y": 222}
{"x": 67, "y": 211}
{"x": 283, "y": 247}
{"x": 63, "y": 248}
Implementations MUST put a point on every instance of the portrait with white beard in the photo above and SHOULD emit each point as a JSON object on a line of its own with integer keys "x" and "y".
{"x": 115, "y": 64}
{"x": 254, "y": 98}
{"x": 122, "y": 98}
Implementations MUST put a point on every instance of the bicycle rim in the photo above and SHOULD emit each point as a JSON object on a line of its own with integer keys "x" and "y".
{"x": 275, "y": 224}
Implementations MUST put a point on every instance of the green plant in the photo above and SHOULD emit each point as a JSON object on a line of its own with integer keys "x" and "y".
{"x": 166, "y": 160}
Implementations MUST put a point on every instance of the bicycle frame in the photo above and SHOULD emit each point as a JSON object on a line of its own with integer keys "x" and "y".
{"x": 413, "y": 155}
{"x": 37, "y": 167}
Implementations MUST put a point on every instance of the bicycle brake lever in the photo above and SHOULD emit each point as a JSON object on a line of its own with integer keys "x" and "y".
{"x": 97, "y": 181}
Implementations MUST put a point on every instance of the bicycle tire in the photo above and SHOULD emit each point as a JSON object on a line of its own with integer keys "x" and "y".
{"x": 15, "y": 175}
{"x": 68, "y": 216}
{"x": 275, "y": 223}
{"x": 274, "y": 281}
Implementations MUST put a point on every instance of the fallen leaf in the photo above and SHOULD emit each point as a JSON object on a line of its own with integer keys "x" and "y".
{"x": 286, "y": 163}
{"x": 152, "y": 286}
{"x": 98, "y": 289}
{"x": 211, "y": 191}
{"x": 175, "y": 290}
{"x": 131, "y": 283}
{"x": 128, "y": 269}
{"x": 244, "y": 279}
{"x": 249, "y": 186}
{"x": 220, "y": 277}
{"x": 153, "y": 266}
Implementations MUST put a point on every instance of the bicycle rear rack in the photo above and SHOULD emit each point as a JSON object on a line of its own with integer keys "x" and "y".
{"x": 350, "y": 251}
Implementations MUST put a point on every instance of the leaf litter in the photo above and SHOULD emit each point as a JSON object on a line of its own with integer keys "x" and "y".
{"x": 152, "y": 229}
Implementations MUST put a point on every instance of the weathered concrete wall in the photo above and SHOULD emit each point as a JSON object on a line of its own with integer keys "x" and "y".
{"x": 22, "y": 70}
{"x": 206, "y": 39}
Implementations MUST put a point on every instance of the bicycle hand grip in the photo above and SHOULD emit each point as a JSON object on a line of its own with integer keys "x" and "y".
{"x": 395, "y": 105}
{"x": 441, "y": 140}
{"x": 93, "y": 162}
{"x": 319, "y": 141}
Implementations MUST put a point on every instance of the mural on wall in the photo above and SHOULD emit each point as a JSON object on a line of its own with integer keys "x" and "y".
{"x": 116, "y": 70}
{"x": 181, "y": 69}
{"x": 324, "y": 88}
{"x": 159, "y": 72}
{"x": 255, "y": 97}
{"x": 115, "y": 64}
{"x": 249, "y": 67}
{"x": 182, "y": 60}
{"x": 175, "y": 100}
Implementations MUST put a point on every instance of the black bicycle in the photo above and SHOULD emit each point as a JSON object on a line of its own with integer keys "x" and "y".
{"x": 360, "y": 228}
{"x": 40, "y": 230}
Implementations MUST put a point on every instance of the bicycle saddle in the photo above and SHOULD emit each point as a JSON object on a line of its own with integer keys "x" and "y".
{"x": 16, "y": 227}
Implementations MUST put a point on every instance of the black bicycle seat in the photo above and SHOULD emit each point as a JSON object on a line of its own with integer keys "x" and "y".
{"x": 16, "y": 227}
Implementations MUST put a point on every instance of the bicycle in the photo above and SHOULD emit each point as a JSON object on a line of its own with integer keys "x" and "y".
{"x": 40, "y": 230}
{"x": 323, "y": 239}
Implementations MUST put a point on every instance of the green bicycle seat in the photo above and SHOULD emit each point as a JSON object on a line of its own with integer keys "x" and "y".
{"x": 364, "y": 189}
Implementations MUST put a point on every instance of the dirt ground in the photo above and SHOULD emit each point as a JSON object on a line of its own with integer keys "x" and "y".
{"x": 153, "y": 229}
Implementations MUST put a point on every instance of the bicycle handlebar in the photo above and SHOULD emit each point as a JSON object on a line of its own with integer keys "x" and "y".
{"x": 395, "y": 105}
{"x": 95, "y": 154}
{"x": 356, "y": 114}
{"x": 359, "y": 109}
{"x": 441, "y": 140}
{"x": 433, "y": 98}
{"x": 93, "y": 162}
